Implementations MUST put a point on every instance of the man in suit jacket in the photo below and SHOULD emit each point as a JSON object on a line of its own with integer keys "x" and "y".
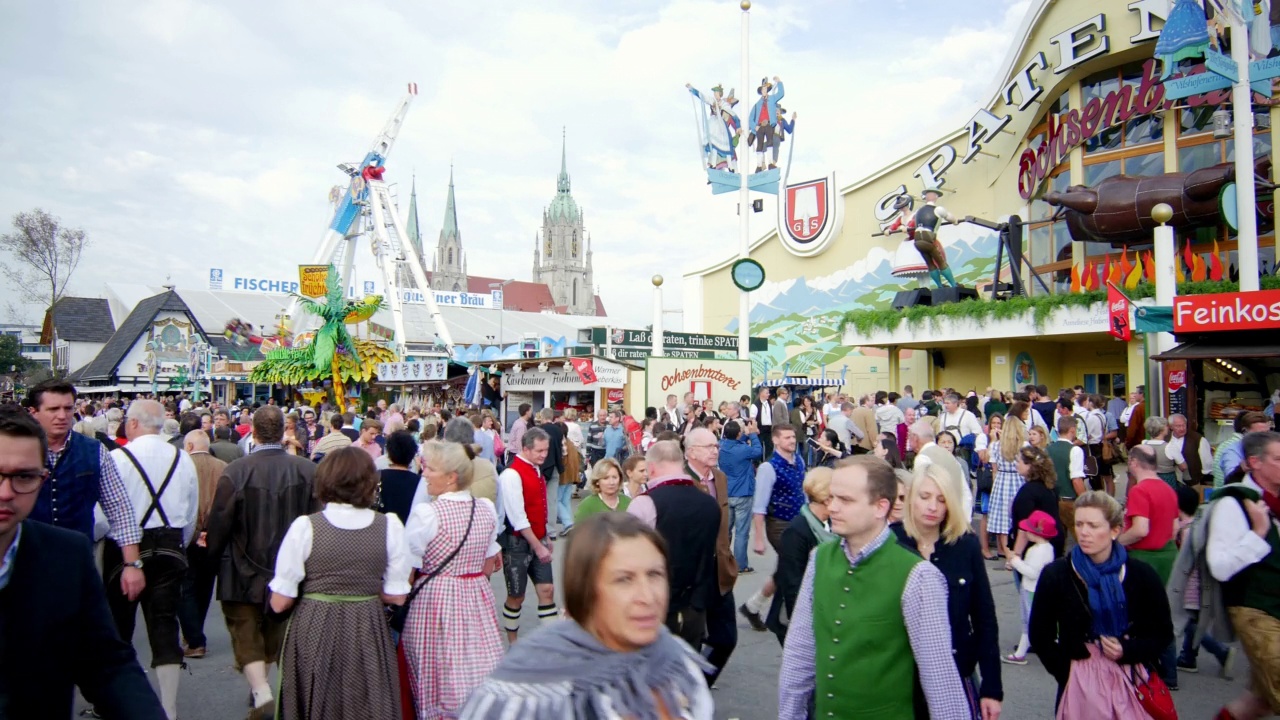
{"x": 257, "y": 499}
{"x": 56, "y": 632}
{"x": 864, "y": 416}
{"x": 701, "y": 453}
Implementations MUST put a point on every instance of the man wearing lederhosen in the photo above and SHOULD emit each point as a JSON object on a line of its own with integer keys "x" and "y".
{"x": 927, "y": 218}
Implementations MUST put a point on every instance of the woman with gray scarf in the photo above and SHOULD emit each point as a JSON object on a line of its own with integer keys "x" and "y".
{"x": 614, "y": 656}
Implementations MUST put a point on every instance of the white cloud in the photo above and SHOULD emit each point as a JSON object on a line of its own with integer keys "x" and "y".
{"x": 184, "y": 135}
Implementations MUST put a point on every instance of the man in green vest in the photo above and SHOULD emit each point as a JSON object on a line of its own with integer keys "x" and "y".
{"x": 1243, "y": 553}
{"x": 870, "y": 634}
{"x": 1068, "y": 460}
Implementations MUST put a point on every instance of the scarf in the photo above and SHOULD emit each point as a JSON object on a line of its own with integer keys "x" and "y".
{"x": 816, "y": 526}
{"x": 563, "y": 671}
{"x": 1107, "y": 604}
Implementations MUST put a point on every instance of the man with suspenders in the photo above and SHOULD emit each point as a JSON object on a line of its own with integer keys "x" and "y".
{"x": 163, "y": 486}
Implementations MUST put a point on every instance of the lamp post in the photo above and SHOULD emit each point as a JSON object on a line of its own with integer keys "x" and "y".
{"x": 502, "y": 307}
{"x": 744, "y": 195}
{"x": 1242, "y": 109}
{"x": 1166, "y": 285}
{"x": 657, "y": 316}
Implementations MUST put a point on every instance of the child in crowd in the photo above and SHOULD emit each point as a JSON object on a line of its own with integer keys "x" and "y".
{"x": 1040, "y": 528}
{"x": 1188, "y": 503}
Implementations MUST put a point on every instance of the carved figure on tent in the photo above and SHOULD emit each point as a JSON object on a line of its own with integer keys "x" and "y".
{"x": 763, "y": 119}
{"x": 907, "y": 260}
{"x": 719, "y": 127}
{"x": 1118, "y": 209}
{"x": 925, "y": 236}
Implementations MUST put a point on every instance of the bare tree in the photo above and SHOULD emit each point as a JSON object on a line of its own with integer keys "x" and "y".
{"x": 47, "y": 255}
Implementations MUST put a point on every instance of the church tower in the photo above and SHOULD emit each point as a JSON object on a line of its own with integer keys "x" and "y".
{"x": 562, "y": 252}
{"x": 449, "y": 269}
{"x": 403, "y": 273}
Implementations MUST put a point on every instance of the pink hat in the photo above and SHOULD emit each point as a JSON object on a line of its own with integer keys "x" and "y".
{"x": 1040, "y": 523}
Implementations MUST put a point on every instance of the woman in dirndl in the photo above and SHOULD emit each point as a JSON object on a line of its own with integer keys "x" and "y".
{"x": 451, "y": 639}
{"x": 348, "y": 560}
{"x": 1004, "y": 459}
{"x": 1100, "y": 619}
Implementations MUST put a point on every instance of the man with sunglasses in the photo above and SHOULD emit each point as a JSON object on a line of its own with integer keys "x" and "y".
{"x": 56, "y": 632}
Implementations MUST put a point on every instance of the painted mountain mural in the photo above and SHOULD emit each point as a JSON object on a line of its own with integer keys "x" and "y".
{"x": 801, "y": 316}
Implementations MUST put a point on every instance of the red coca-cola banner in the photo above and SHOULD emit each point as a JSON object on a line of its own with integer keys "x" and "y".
{"x": 586, "y": 372}
{"x": 1118, "y": 312}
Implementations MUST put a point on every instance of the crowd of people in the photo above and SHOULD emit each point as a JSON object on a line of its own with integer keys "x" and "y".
{"x": 354, "y": 551}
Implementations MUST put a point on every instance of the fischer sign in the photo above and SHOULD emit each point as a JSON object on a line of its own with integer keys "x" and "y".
{"x": 1226, "y": 311}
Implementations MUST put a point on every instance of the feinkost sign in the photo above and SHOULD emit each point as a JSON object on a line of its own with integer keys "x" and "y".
{"x": 1226, "y": 311}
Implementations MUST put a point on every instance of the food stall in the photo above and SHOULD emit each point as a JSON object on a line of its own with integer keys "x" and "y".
{"x": 583, "y": 383}
{"x": 1227, "y": 360}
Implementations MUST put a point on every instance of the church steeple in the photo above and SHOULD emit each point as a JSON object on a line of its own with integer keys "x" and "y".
{"x": 558, "y": 255}
{"x": 450, "y": 228}
{"x": 562, "y": 182}
{"x": 450, "y": 265}
{"x": 415, "y": 235}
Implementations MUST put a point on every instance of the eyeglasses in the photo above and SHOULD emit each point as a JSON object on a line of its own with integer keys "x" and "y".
{"x": 25, "y": 482}
{"x": 717, "y": 447}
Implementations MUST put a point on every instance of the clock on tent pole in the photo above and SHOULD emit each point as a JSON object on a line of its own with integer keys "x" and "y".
{"x": 747, "y": 274}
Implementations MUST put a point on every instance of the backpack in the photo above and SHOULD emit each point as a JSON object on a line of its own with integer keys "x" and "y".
{"x": 1193, "y": 557}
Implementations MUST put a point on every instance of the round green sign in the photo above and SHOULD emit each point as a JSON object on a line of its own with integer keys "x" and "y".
{"x": 747, "y": 274}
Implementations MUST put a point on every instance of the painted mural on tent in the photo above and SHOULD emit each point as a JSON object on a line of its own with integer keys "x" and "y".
{"x": 801, "y": 316}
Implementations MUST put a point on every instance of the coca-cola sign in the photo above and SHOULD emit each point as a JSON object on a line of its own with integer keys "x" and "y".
{"x": 1177, "y": 380}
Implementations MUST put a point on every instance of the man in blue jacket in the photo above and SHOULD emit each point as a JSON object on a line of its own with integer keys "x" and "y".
{"x": 739, "y": 451}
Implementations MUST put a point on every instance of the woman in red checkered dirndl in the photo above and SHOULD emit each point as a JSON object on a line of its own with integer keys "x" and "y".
{"x": 451, "y": 639}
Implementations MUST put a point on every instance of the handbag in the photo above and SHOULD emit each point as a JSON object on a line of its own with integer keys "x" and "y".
{"x": 398, "y": 614}
{"x": 1152, "y": 693}
{"x": 985, "y": 478}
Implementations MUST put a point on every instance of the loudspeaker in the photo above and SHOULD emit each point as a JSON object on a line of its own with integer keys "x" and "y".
{"x": 953, "y": 294}
{"x": 910, "y": 298}
{"x": 938, "y": 360}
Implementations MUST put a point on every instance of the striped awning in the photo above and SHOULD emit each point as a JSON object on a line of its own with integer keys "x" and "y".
{"x": 801, "y": 382}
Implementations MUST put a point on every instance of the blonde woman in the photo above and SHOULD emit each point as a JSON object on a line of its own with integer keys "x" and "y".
{"x": 943, "y": 536}
{"x": 1037, "y": 437}
{"x": 451, "y": 639}
{"x": 1004, "y": 459}
{"x": 606, "y": 489}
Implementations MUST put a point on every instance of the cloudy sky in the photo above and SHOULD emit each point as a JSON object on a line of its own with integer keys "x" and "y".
{"x": 183, "y": 135}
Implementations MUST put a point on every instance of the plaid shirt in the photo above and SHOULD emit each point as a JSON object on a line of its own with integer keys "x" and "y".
{"x": 266, "y": 446}
{"x": 113, "y": 497}
{"x": 924, "y": 612}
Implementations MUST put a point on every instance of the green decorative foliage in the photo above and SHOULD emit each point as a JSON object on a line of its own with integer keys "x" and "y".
{"x": 1041, "y": 307}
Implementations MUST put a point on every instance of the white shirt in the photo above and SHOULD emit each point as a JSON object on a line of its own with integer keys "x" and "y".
{"x": 1233, "y": 545}
{"x": 673, "y": 416}
{"x": 1128, "y": 413}
{"x": 1038, "y": 555}
{"x": 830, "y": 409}
{"x": 966, "y": 421}
{"x": 180, "y": 501}
{"x": 424, "y": 525}
{"x": 291, "y": 561}
{"x": 1176, "y": 452}
{"x": 511, "y": 495}
{"x": 1095, "y": 426}
{"x": 574, "y": 431}
{"x": 763, "y": 416}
